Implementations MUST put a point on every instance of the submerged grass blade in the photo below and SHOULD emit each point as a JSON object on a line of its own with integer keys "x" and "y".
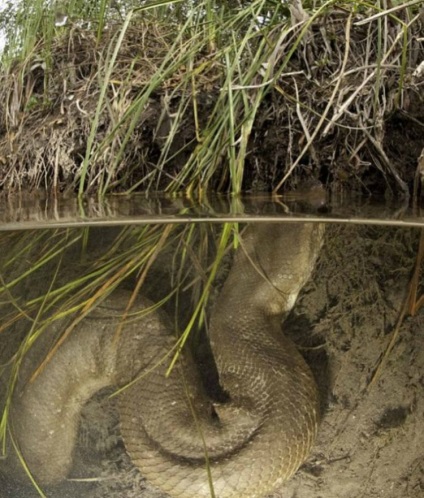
{"x": 199, "y": 309}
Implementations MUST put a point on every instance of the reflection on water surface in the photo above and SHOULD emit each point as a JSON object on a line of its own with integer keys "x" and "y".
{"x": 28, "y": 212}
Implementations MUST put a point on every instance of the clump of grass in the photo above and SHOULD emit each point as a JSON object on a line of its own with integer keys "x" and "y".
{"x": 183, "y": 96}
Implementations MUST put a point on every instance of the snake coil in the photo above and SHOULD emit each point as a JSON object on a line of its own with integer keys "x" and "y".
{"x": 242, "y": 448}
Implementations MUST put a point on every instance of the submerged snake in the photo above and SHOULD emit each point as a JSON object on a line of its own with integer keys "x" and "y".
{"x": 182, "y": 441}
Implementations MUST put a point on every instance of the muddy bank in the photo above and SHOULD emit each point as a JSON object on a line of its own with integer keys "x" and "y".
{"x": 324, "y": 103}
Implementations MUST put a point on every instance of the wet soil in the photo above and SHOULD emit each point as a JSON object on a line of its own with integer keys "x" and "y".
{"x": 370, "y": 442}
{"x": 371, "y": 439}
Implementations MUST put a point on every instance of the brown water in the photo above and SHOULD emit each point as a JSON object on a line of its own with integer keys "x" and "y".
{"x": 370, "y": 442}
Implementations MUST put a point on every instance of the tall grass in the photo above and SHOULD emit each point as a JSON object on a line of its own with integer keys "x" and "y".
{"x": 213, "y": 66}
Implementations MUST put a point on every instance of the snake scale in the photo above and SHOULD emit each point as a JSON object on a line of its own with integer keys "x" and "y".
{"x": 182, "y": 441}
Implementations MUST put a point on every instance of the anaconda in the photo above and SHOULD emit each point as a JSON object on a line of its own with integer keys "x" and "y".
{"x": 185, "y": 443}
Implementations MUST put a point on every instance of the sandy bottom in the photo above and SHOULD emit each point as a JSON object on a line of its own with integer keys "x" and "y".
{"x": 371, "y": 437}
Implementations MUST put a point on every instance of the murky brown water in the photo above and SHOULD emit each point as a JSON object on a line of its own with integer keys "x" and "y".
{"x": 370, "y": 441}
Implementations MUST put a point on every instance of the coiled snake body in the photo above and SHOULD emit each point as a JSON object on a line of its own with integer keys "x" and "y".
{"x": 181, "y": 441}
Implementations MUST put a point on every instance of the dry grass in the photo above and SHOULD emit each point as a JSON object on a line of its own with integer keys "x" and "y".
{"x": 227, "y": 102}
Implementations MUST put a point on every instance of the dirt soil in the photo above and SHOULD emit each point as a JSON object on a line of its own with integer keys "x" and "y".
{"x": 371, "y": 438}
{"x": 367, "y": 123}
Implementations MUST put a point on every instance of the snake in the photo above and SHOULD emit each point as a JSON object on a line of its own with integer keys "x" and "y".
{"x": 183, "y": 441}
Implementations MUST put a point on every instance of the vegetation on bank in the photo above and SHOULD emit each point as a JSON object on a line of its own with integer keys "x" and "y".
{"x": 230, "y": 96}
